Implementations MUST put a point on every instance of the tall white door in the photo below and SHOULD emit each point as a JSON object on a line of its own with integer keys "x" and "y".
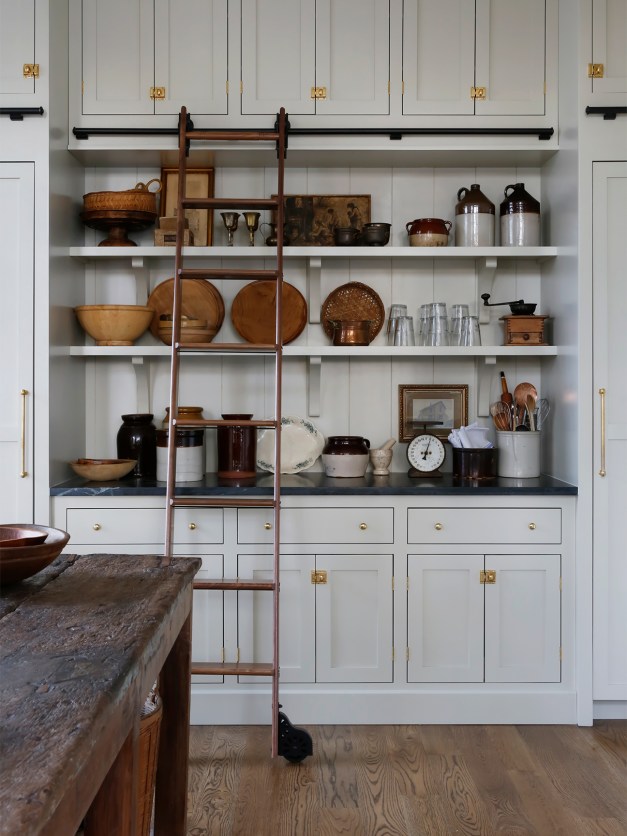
{"x": 609, "y": 45}
{"x": 17, "y": 184}
{"x": 17, "y": 47}
{"x": 610, "y": 430}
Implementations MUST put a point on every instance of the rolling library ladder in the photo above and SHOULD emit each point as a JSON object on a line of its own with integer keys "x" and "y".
{"x": 292, "y": 743}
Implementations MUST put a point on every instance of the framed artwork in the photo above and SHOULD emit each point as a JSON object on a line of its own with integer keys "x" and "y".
{"x": 198, "y": 183}
{"x": 310, "y": 219}
{"x": 419, "y": 406}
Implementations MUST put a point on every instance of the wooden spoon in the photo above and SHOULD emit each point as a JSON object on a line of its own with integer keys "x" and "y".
{"x": 521, "y": 392}
{"x": 531, "y": 407}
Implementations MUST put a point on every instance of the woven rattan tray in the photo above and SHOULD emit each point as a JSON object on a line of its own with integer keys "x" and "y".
{"x": 353, "y": 301}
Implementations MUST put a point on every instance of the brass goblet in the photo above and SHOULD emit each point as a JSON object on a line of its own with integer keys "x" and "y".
{"x": 230, "y": 220}
{"x": 252, "y": 222}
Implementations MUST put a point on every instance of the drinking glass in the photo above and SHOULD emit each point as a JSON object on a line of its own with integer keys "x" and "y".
{"x": 470, "y": 333}
{"x": 395, "y": 312}
{"x": 438, "y": 331}
{"x": 458, "y": 312}
{"x": 404, "y": 331}
{"x": 423, "y": 324}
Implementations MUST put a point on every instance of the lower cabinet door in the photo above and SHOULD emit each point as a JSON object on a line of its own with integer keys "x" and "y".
{"x": 522, "y": 618}
{"x": 354, "y": 618}
{"x": 444, "y": 618}
{"x": 296, "y": 617}
{"x": 208, "y": 618}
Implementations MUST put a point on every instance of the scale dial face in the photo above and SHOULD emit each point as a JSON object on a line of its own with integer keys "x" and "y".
{"x": 425, "y": 453}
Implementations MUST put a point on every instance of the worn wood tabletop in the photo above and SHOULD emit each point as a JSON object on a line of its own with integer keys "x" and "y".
{"x": 80, "y": 646}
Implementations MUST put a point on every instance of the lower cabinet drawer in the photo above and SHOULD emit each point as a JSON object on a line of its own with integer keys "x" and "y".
{"x": 318, "y": 525}
{"x": 484, "y": 525}
{"x": 117, "y": 526}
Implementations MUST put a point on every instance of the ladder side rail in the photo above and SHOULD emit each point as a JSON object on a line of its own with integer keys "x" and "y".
{"x": 278, "y": 415}
{"x": 176, "y": 336}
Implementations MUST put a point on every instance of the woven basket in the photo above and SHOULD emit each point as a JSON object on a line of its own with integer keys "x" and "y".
{"x": 139, "y": 199}
{"x": 353, "y": 301}
{"x": 149, "y": 728}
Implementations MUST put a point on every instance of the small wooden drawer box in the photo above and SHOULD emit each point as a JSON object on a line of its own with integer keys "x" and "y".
{"x": 524, "y": 330}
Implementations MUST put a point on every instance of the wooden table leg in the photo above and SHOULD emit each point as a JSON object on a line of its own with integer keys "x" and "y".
{"x": 114, "y": 809}
{"x": 171, "y": 782}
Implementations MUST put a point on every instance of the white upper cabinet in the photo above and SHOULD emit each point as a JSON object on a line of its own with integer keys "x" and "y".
{"x": 17, "y": 48}
{"x": 465, "y": 58}
{"x": 145, "y": 57}
{"x": 609, "y": 46}
{"x": 332, "y": 57}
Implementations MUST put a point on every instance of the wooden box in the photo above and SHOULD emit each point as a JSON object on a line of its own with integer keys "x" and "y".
{"x": 165, "y": 235}
{"x": 524, "y": 330}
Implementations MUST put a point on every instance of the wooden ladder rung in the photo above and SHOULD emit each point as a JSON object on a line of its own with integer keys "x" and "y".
{"x": 230, "y": 136}
{"x": 220, "y": 502}
{"x": 244, "y": 203}
{"x": 228, "y": 273}
{"x": 233, "y": 668}
{"x": 237, "y": 584}
{"x": 229, "y": 348}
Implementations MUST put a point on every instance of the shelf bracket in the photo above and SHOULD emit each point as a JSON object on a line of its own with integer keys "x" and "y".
{"x": 314, "y": 272}
{"x": 142, "y": 279}
{"x": 486, "y": 268}
{"x": 315, "y": 376}
{"x": 485, "y": 374}
{"x": 143, "y": 384}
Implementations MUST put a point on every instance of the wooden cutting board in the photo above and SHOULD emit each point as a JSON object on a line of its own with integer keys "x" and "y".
{"x": 253, "y": 312}
{"x": 201, "y": 300}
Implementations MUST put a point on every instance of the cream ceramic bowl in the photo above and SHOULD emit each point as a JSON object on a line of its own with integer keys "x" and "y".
{"x": 428, "y": 239}
{"x": 114, "y": 324}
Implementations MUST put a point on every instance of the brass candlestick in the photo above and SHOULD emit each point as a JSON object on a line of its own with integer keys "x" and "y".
{"x": 252, "y": 223}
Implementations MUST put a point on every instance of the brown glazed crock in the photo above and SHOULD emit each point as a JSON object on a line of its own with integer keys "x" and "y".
{"x": 420, "y": 226}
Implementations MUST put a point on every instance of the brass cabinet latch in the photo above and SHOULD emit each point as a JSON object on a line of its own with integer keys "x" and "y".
{"x": 596, "y": 70}
{"x": 477, "y": 92}
{"x": 318, "y": 577}
{"x": 31, "y": 71}
{"x": 318, "y": 92}
{"x": 157, "y": 92}
{"x": 487, "y": 576}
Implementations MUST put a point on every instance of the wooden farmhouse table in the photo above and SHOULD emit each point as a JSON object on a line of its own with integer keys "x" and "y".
{"x": 81, "y": 644}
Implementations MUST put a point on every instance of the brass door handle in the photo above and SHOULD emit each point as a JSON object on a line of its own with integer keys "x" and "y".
{"x": 192, "y": 526}
{"x": 532, "y": 526}
{"x": 96, "y": 526}
{"x": 267, "y": 526}
{"x": 23, "y": 471}
{"x": 363, "y": 526}
{"x": 438, "y": 526}
{"x": 602, "y": 471}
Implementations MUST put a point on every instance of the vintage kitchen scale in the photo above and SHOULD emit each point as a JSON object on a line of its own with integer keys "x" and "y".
{"x": 425, "y": 452}
{"x": 523, "y": 327}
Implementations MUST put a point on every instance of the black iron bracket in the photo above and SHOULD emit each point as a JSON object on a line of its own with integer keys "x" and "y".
{"x": 609, "y": 113}
{"x": 17, "y": 114}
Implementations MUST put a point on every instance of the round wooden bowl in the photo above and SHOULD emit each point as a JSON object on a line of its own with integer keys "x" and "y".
{"x": 19, "y": 535}
{"x": 114, "y": 324}
{"x": 20, "y": 562}
{"x": 102, "y": 470}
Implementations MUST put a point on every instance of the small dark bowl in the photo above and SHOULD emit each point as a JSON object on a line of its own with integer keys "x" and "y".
{"x": 346, "y": 236}
{"x": 375, "y": 234}
{"x": 522, "y": 308}
{"x": 20, "y": 562}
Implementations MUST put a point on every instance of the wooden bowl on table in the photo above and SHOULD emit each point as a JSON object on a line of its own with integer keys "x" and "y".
{"x": 23, "y": 561}
{"x": 103, "y": 470}
{"x": 114, "y": 324}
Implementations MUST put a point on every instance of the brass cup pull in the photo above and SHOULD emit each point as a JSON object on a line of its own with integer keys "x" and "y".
{"x": 532, "y": 526}
{"x": 96, "y": 526}
{"x": 363, "y": 526}
{"x": 438, "y": 526}
{"x": 267, "y": 526}
{"x": 192, "y": 526}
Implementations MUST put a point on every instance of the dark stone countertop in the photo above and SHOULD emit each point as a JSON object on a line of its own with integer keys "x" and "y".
{"x": 310, "y": 483}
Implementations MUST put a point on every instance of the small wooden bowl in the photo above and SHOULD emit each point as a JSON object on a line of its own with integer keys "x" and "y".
{"x": 102, "y": 470}
{"x": 19, "y": 535}
{"x": 114, "y": 324}
{"x": 20, "y": 562}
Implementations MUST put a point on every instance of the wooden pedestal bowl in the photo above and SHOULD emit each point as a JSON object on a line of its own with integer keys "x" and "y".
{"x": 20, "y": 562}
{"x": 114, "y": 324}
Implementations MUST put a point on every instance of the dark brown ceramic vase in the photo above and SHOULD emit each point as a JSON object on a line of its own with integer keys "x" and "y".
{"x": 237, "y": 448}
{"x": 137, "y": 439}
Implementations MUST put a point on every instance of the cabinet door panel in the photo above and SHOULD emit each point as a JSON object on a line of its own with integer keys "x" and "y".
{"x": 17, "y": 47}
{"x": 208, "y": 618}
{"x": 438, "y": 56}
{"x": 118, "y": 56}
{"x": 609, "y": 254}
{"x": 609, "y": 37}
{"x": 278, "y": 56}
{"x": 353, "y": 56}
{"x": 296, "y": 617}
{"x": 510, "y": 57}
{"x": 445, "y": 618}
{"x": 191, "y": 55}
{"x": 522, "y": 619}
{"x": 354, "y": 635}
{"x": 17, "y": 185}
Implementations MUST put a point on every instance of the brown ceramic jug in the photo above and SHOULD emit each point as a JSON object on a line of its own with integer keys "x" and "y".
{"x": 474, "y": 218}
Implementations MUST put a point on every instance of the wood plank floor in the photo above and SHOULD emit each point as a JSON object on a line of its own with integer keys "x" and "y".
{"x": 412, "y": 780}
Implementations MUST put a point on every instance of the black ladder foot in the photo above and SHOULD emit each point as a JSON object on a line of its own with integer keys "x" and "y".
{"x": 294, "y": 743}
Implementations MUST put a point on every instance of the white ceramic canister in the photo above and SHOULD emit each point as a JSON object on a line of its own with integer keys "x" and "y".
{"x": 190, "y": 455}
{"x": 474, "y": 218}
{"x": 520, "y": 218}
{"x": 346, "y": 456}
{"x": 519, "y": 454}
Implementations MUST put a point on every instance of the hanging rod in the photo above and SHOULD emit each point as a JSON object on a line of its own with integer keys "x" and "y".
{"x": 609, "y": 113}
{"x": 17, "y": 114}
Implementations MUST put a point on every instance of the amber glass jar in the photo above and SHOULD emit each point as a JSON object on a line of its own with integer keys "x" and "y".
{"x": 137, "y": 439}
